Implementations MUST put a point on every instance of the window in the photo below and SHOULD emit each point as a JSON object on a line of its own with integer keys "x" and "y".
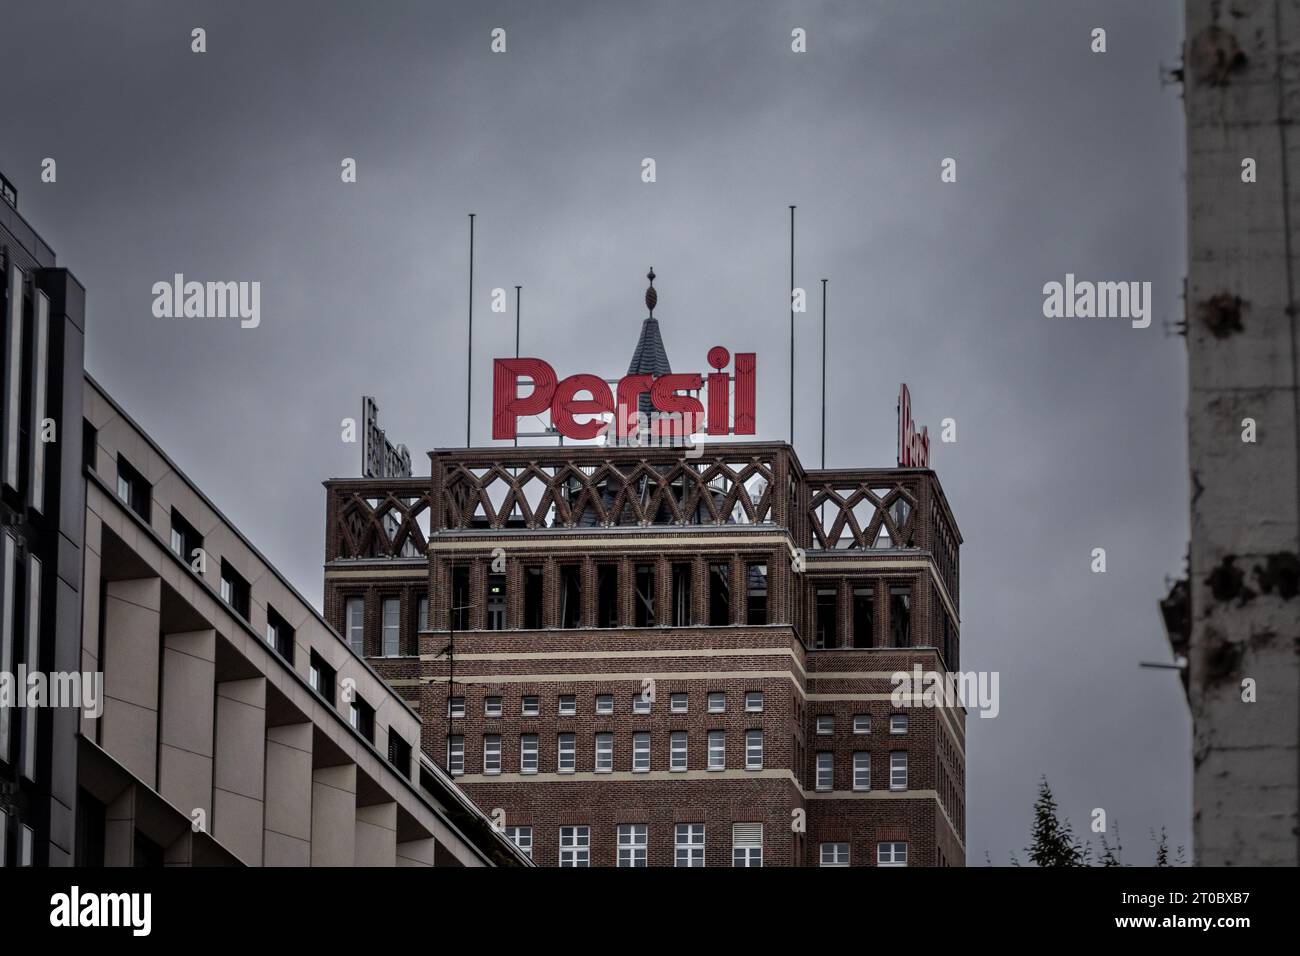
{"x": 753, "y": 750}
{"x": 632, "y": 843}
{"x": 678, "y": 703}
{"x": 604, "y": 703}
{"x": 827, "y": 633}
{"x": 234, "y": 590}
{"x": 455, "y": 706}
{"x": 279, "y": 635}
{"x": 862, "y": 723}
{"x": 677, "y": 751}
{"x": 756, "y": 594}
{"x": 568, "y": 705}
{"x": 835, "y": 854}
{"x": 717, "y": 750}
{"x": 456, "y": 755}
{"x": 861, "y": 770}
{"x": 825, "y": 724}
{"x": 491, "y": 706}
{"x": 754, "y": 701}
{"x": 12, "y": 348}
{"x": 185, "y": 540}
{"x": 321, "y": 677}
{"x": 891, "y": 854}
{"x": 825, "y": 770}
{"x": 362, "y": 718}
{"x": 681, "y": 582}
{"x": 717, "y": 702}
{"x": 392, "y": 619}
{"x": 89, "y": 439}
{"x": 570, "y": 596}
{"x": 900, "y": 616}
{"x": 575, "y": 846}
{"x": 133, "y": 489}
{"x": 521, "y": 837}
{"x": 607, "y": 595}
{"x": 643, "y": 613}
{"x": 898, "y": 723}
{"x": 641, "y": 702}
{"x": 422, "y": 615}
{"x": 641, "y": 752}
{"x": 528, "y": 753}
{"x": 399, "y": 753}
{"x": 566, "y": 758}
{"x": 530, "y": 706}
{"x": 491, "y": 753}
{"x": 4, "y": 838}
{"x": 27, "y": 844}
{"x": 747, "y": 844}
{"x": 354, "y": 622}
{"x": 496, "y": 602}
{"x": 719, "y": 595}
{"x": 460, "y": 598}
{"x": 8, "y": 615}
{"x": 533, "y": 598}
{"x": 604, "y": 753}
{"x": 898, "y": 770}
{"x": 864, "y": 616}
{"x": 689, "y": 844}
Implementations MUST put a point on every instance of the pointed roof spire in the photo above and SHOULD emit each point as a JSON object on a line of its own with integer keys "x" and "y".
{"x": 649, "y": 357}
{"x": 651, "y": 296}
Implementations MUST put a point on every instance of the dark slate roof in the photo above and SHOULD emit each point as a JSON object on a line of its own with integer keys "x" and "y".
{"x": 649, "y": 358}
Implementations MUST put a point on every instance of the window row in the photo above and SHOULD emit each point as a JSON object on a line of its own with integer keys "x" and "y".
{"x": 566, "y": 752}
{"x": 390, "y": 625}
{"x": 862, "y": 621}
{"x": 825, "y": 724}
{"x": 824, "y": 770}
{"x": 887, "y": 854}
{"x": 642, "y": 703}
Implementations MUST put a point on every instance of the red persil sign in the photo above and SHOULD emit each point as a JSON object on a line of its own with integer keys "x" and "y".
{"x": 913, "y": 447}
{"x": 590, "y": 395}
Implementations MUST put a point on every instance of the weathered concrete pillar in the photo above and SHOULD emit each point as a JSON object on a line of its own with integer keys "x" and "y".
{"x": 188, "y": 711}
{"x": 377, "y": 835}
{"x": 333, "y": 815}
{"x": 238, "y": 779}
{"x": 288, "y": 795}
{"x": 130, "y": 719}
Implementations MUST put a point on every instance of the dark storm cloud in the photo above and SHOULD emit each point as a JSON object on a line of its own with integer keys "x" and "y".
{"x": 1070, "y": 432}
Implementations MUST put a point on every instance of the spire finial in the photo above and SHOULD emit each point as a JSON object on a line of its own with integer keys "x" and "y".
{"x": 651, "y": 296}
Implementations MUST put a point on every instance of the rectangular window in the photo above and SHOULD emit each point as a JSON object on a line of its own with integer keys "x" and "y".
{"x": 362, "y": 718}
{"x": 747, "y": 844}
{"x": 566, "y": 753}
{"x": 825, "y": 770}
{"x": 533, "y": 598}
{"x": 644, "y": 608}
{"x": 753, "y": 750}
{"x": 719, "y": 595}
{"x": 133, "y": 489}
{"x": 279, "y": 635}
{"x": 862, "y": 723}
{"x": 399, "y": 753}
{"x": 568, "y": 705}
{"x": 11, "y": 407}
{"x": 31, "y": 657}
{"x": 898, "y": 770}
{"x": 456, "y": 755}
{"x": 354, "y": 623}
{"x": 688, "y": 844}
{"x": 491, "y": 753}
{"x": 891, "y": 854}
{"x": 864, "y": 617}
{"x": 4, "y": 838}
{"x": 491, "y": 706}
{"x": 575, "y": 846}
{"x": 604, "y": 703}
{"x": 754, "y": 701}
{"x": 861, "y": 770}
{"x": 8, "y": 614}
{"x": 835, "y": 854}
{"x": 460, "y": 601}
{"x": 185, "y": 541}
{"x": 455, "y": 706}
{"x": 89, "y": 444}
{"x": 825, "y": 724}
{"x": 607, "y": 595}
{"x": 604, "y": 753}
{"x": 528, "y": 753}
{"x": 521, "y": 837}
{"x": 234, "y": 590}
{"x": 40, "y": 346}
{"x": 321, "y": 677}
{"x": 681, "y": 582}
{"x": 717, "y": 750}
{"x": 496, "y": 602}
{"x": 641, "y": 703}
{"x": 641, "y": 752}
{"x": 898, "y": 723}
{"x": 422, "y": 615}
{"x": 678, "y": 748}
{"x": 632, "y": 843}
{"x": 756, "y": 594}
{"x": 717, "y": 701}
{"x": 570, "y": 596}
{"x": 392, "y": 621}
{"x": 900, "y": 616}
{"x": 678, "y": 703}
{"x": 827, "y": 619}
{"x": 530, "y": 706}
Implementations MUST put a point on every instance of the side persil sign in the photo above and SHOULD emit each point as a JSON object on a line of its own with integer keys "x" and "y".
{"x": 913, "y": 447}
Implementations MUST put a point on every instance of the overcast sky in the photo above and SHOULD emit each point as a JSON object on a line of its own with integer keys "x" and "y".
{"x": 1071, "y": 436}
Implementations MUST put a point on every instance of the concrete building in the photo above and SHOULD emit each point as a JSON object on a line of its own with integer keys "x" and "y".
{"x": 1238, "y": 622}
